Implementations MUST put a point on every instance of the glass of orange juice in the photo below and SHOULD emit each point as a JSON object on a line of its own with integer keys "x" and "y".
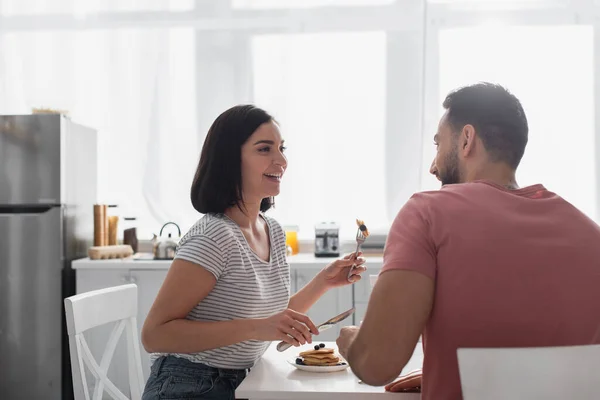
{"x": 291, "y": 238}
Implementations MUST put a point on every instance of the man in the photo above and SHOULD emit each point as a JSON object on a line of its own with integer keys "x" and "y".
{"x": 481, "y": 262}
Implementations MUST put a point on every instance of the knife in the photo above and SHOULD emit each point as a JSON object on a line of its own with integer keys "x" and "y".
{"x": 282, "y": 346}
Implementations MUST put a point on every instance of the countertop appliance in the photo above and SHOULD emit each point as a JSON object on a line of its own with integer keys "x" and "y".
{"x": 47, "y": 191}
{"x": 164, "y": 247}
{"x": 327, "y": 239}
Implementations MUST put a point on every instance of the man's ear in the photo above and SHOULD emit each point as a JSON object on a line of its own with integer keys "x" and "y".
{"x": 467, "y": 139}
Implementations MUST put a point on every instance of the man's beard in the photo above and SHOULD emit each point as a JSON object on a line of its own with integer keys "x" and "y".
{"x": 451, "y": 174}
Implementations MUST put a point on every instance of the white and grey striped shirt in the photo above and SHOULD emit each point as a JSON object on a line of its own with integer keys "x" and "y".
{"x": 247, "y": 286}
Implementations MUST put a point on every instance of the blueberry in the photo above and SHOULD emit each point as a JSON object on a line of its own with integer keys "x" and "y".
{"x": 299, "y": 361}
{"x": 321, "y": 345}
{"x": 362, "y": 228}
{"x": 343, "y": 363}
{"x": 317, "y": 347}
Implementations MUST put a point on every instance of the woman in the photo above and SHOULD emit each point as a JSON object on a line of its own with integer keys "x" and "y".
{"x": 227, "y": 293}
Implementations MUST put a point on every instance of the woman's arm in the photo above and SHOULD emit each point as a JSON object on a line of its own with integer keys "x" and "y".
{"x": 167, "y": 331}
{"x": 334, "y": 275}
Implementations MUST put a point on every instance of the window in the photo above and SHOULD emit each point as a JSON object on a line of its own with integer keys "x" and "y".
{"x": 354, "y": 131}
{"x": 262, "y": 4}
{"x": 29, "y": 7}
{"x": 137, "y": 88}
{"x": 498, "y": 4}
{"x": 329, "y": 91}
{"x": 550, "y": 69}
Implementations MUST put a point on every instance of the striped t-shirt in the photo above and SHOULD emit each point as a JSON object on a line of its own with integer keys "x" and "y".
{"x": 247, "y": 286}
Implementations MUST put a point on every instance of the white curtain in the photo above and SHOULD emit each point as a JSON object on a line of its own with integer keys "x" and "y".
{"x": 137, "y": 87}
{"x": 357, "y": 91}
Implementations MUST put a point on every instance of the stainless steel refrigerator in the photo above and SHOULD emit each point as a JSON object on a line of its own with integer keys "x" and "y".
{"x": 47, "y": 191}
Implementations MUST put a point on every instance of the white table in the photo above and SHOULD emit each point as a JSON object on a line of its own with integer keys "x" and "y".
{"x": 272, "y": 378}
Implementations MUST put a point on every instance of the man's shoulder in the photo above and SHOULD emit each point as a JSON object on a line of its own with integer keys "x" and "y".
{"x": 455, "y": 191}
{"x": 448, "y": 197}
{"x": 432, "y": 197}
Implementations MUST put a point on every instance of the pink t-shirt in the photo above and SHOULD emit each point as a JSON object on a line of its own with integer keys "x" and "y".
{"x": 512, "y": 268}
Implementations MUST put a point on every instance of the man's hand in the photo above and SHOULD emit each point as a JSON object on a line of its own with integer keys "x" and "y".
{"x": 407, "y": 383}
{"x": 347, "y": 335}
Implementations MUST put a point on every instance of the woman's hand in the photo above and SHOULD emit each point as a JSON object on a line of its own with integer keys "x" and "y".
{"x": 336, "y": 273}
{"x": 288, "y": 326}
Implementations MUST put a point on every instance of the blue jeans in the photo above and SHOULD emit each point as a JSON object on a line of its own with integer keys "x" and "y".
{"x": 177, "y": 378}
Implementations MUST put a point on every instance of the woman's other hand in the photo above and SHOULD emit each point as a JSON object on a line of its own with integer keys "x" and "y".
{"x": 336, "y": 273}
{"x": 288, "y": 326}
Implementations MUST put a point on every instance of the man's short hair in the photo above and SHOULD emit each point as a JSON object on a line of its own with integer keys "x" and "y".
{"x": 497, "y": 116}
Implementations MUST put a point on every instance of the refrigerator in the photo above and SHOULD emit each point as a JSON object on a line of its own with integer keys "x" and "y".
{"x": 47, "y": 191}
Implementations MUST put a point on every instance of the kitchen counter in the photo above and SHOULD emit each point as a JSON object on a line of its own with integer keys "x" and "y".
{"x": 130, "y": 263}
{"x": 146, "y": 263}
{"x": 274, "y": 378}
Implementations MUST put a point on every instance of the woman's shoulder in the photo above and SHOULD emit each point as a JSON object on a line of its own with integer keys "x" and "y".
{"x": 273, "y": 224}
{"x": 215, "y": 227}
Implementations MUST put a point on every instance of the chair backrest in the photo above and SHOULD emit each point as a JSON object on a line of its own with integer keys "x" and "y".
{"x": 92, "y": 309}
{"x": 566, "y": 372}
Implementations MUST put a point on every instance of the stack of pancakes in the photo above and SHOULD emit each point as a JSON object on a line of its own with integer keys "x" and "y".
{"x": 321, "y": 357}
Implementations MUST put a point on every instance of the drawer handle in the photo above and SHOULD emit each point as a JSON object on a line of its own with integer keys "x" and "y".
{"x": 128, "y": 279}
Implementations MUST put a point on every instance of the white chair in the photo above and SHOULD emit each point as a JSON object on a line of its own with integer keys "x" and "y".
{"x": 548, "y": 373}
{"x": 92, "y": 309}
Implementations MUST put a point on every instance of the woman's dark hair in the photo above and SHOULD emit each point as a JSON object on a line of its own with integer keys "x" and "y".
{"x": 496, "y": 114}
{"x": 217, "y": 184}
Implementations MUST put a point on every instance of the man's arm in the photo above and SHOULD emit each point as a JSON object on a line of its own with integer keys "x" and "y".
{"x": 398, "y": 310}
{"x": 401, "y": 300}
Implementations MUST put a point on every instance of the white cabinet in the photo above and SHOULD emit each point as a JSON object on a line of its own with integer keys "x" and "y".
{"x": 92, "y": 279}
{"x": 361, "y": 309}
{"x": 334, "y": 302}
{"x": 362, "y": 292}
{"x": 362, "y": 288}
{"x": 293, "y": 281}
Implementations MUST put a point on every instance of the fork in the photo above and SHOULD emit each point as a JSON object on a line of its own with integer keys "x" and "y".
{"x": 360, "y": 239}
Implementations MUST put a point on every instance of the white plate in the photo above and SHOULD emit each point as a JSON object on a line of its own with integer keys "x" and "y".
{"x": 315, "y": 368}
